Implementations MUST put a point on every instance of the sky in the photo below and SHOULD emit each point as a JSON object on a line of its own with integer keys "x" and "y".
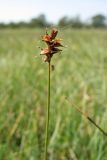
{"x": 24, "y": 10}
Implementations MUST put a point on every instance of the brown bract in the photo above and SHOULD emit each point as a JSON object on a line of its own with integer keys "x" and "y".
{"x": 52, "y": 43}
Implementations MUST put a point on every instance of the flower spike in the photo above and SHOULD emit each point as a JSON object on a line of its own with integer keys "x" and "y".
{"x": 52, "y": 44}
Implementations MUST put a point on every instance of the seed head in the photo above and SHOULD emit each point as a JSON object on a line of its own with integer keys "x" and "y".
{"x": 52, "y": 43}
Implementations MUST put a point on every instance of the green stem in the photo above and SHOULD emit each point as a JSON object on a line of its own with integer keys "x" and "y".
{"x": 48, "y": 114}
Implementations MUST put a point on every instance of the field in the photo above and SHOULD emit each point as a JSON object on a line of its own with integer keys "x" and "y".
{"x": 80, "y": 74}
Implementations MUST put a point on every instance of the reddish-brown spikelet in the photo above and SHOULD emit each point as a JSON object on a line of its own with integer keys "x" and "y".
{"x": 52, "y": 44}
{"x": 46, "y": 38}
{"x": 54, "y": 33}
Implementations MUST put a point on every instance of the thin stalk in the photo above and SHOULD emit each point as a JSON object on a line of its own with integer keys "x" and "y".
{"x": 90, "y": 119}
{"x": 47, "y": 114}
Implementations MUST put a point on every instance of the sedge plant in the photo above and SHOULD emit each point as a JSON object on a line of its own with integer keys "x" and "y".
{"x": 53, "y": 45}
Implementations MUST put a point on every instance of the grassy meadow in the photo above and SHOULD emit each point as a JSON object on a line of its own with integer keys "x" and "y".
{"x": 80, "y": 74}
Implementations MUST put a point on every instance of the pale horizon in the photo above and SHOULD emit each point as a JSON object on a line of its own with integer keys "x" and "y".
{"x": 17, "y": 10}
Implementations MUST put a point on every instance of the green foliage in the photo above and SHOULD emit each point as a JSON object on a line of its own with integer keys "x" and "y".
{"x": 64, "y": 21}
{"x": 40, "y": 21}
{"x": 80, "y": 74}
{"x": 99, "y": 21}
{"x": 2, "y": 25}
{"x": 74, "y": 22}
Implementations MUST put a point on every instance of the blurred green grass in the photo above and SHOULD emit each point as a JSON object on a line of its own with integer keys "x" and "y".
{"x": 80, "y": 74}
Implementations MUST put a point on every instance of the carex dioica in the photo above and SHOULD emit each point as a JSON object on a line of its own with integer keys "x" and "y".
{"x": 53, "y": 45}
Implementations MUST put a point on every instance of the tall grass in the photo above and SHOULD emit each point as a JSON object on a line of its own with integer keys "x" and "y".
{"x": 80, "y": 73}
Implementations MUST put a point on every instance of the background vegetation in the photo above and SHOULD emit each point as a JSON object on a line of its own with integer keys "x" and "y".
{"x": 97, "y": 21}
{"x": 80, "y": 74}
